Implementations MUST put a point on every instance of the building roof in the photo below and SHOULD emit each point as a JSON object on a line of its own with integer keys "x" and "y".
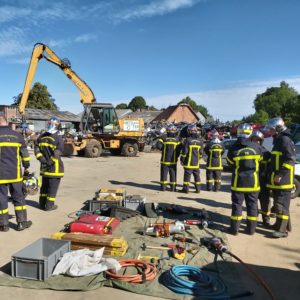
{"x": 166, "y": 114}
{"x": 122, "y": 113}
{"x": 147, "y": 115}
{"x": 43, "y": 114}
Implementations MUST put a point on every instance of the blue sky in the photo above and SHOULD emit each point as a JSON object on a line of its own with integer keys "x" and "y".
{"x": 221, "y": 53}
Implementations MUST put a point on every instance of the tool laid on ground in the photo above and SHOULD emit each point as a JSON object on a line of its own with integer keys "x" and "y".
{"x": 152, "y": 259}
{"x": 201, "y": 223}
{"x": 114, "y": 245}
{"x": 173, "y": 209}
{"x": 166, "y": 229}
{"x": 214, "y": 243}
{"x": 146, "y": 271}
{"x": 144, "y": 247}
{"x": 178, "y": 251}
{"x": 186, "y": 240}
{"x": 90, "y": 223}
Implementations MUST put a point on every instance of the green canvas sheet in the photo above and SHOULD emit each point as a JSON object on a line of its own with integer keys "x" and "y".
{"x": 131, "y": 229}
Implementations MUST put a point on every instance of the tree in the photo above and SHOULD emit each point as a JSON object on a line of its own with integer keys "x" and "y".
{"x": 152, "y": 108}
{"x": 38, "y": 97}
{"x": 121, "y": 106}
{"x": 196, "y": 107}
{"x": 192, "y": 103}
{"x": 203, "y": 110}
{"x": 136, "y": 103}
{"x": 279, "y": 101}
{"x": 260, "y": 117}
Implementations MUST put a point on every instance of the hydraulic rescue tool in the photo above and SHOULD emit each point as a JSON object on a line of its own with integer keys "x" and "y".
{"x": 166, "y": 229}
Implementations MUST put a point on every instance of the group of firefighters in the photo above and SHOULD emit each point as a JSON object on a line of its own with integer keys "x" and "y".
{"x": 13, "y": 155}
{"x": 255, "y": 171}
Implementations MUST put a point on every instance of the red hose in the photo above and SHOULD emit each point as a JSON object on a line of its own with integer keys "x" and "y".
{"x": 149, "y": 271}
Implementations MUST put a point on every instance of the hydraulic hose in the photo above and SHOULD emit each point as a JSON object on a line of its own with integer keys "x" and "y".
{"x": 148, "y": 271}
{"x": 199, "y": 283}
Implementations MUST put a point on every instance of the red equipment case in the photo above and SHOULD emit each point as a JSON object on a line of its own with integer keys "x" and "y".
{"x": 89, "y": 223}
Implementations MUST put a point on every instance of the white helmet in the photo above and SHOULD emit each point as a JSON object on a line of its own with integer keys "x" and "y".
{"x": 277, "y": 124}
{"x": 31, "y": 184}
{"x": 53, "y": 125}
{"x": 244, "y": 130}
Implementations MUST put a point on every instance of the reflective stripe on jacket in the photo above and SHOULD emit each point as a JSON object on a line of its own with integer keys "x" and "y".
{"x": 245, "y": 156}
{"x": 282, "y": 162}
{"x": 13, "y": 151}
{"x": 170, "y": 147}
{"x": 191, "y": 153}
{"x": 50, "y": 146}
{"x": 214, "y": 154}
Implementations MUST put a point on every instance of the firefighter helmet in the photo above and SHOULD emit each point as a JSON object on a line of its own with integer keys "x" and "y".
{"x": 53, "y": 125}
{"x": 31, "y": 184}
{"x": 257, "y": 136}
{"x": 277, "y": 124}
{"x": 192, "y": 128}
{"x": 214, "y": 134}
{"x": 171, "y": 128}
{"x": 244, "y": 130}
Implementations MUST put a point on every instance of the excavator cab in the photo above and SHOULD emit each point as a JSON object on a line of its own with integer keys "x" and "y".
{"x": 100, "y": 118}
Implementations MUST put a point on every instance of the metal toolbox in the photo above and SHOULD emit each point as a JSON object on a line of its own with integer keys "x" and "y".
{"x": 38, "y": 260}
{"x": 135, "y": 202}
{"x": 107, "y": 198}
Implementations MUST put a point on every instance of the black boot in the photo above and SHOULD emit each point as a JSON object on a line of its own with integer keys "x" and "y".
{"x": 198, "y": 188}
{"x": 251, "y": 226}
{"x": 4, "y": 228}
{"x": 234, "y": 227}
{"x": 23, "y": 225}
{"x": 217, "y": 186}
{"x": 208, "y": 187}
{"x": 185, "y": 189}
{"x": 281, "y": 232}
{"x": 162, "y": 187}
{"x": 173, "y": 188}
{"x": 52, "y": 207}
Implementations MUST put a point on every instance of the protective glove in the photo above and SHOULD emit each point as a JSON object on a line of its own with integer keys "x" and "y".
{"x": 26, "y": 173}
{"x": 26, "y": 164}
{"x": 42, "y": 160}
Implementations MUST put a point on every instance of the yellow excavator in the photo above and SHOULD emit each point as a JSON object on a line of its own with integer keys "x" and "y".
{"x": 99, "y": 128}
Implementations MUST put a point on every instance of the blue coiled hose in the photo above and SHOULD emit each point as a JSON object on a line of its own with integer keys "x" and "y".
{"x": 199, "y": 283}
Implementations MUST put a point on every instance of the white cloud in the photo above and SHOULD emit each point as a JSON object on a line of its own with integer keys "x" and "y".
{"x": 226, "y": 104}
{"x": 12, "y": 41}
{"x": 9, "y": 13}
{"x": 154, "y": 8}
{"x": 83, "y": 38}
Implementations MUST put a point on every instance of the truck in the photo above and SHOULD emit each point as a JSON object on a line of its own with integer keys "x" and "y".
{"x": 100, "y": 127}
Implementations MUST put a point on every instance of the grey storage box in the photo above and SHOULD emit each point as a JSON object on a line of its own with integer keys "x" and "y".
{"x": 38, "y": 260}
{"x": 135, "y": 202}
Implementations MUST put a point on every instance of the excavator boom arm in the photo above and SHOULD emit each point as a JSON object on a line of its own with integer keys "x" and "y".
{"x": 42, "y": 51}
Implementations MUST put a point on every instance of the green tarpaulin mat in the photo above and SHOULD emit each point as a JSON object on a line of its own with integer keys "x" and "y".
{"x": 131, "y": 229}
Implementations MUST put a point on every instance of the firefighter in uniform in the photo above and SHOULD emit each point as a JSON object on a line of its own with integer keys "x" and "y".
{"x": 13, "y": 153}
{"x": 264, "y": 193}
{"x": 214, "y": 151}
{"x": 170, "y": 150}
{"x": 191, "y": 153}
{"x": 281, "y": 175}
{"x": 244, "y": 156}
{"x": 48, "y": 149}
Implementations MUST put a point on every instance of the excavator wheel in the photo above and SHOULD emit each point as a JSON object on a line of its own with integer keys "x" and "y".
{"x": 93, "y": 149}
{"x": 130, "y": 149}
